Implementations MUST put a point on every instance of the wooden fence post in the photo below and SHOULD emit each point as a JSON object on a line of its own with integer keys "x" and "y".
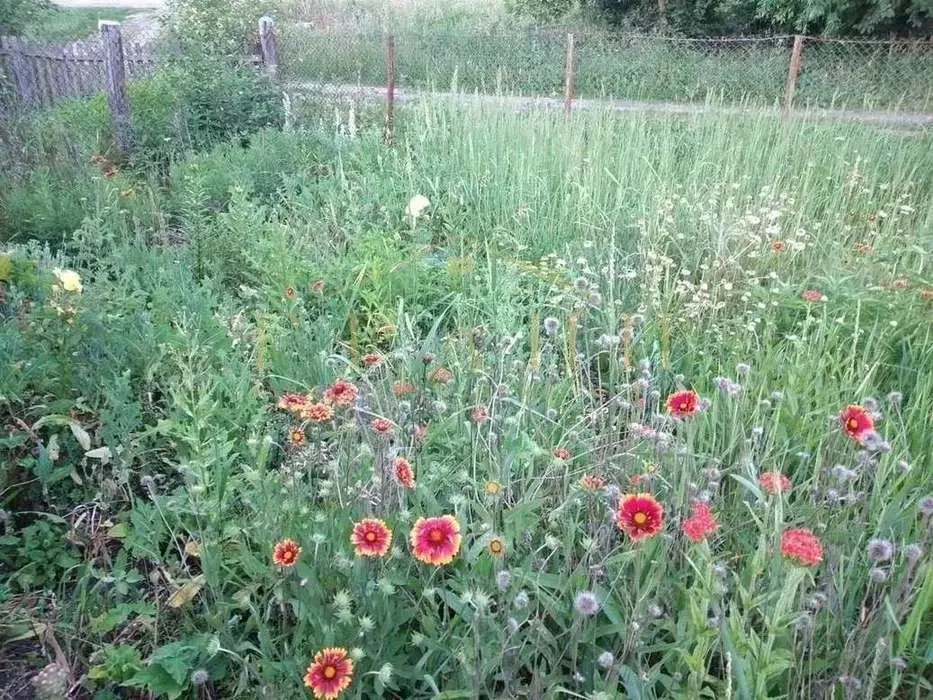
{"x": 23, "y": 75}
{"x": 793, "y": 70}
{"x": 568, "y": 76}
{"x": 269, "y": 45}
{"x": 117, "y": 97}
{"x": 390, "y": 89}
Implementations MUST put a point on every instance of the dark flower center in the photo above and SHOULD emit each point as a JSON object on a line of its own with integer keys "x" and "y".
{"x": 436, "y": 536}
{"x": 370, "y": 536}
{"x": 329, "y": 672}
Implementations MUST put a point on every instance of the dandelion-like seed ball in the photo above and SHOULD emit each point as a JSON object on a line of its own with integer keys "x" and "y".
{"x": 586, "y": 603}
{"x": 880, "y": 550}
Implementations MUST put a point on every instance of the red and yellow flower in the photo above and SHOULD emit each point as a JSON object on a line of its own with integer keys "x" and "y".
{"x": 683, "y": 404}
{"x": 341, "y": 393}
{"x": 640, "y": 516}
{"x": 856, "y": 422}
{"x": 802, "y": 547}
{"x": 317, "y": 412}
{"x": 479, "y": 415}
{"x": 372, "y": 359}
{"x": 774, "y": 482}
{"x": 371, "y": 538}
{"x": 592, "y": 482}
{"x": 401, "y": 389}
{"x": 383, "y": 426}
{"x": 435, "y": 540}
{"x": 562, "y": 453}
{"x": 286, "y": 553}
{"x": 330, "y": 673}
{"x": 701, "y": 523}
{"x": 404, "y": 474}
{"x": 293, "y": 403}
{"x": 296, "y": 436}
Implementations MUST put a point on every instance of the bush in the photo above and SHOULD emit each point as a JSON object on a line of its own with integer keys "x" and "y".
{"x": 16, "y": 15}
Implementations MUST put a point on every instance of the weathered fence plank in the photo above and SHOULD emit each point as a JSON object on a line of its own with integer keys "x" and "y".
{"x": 117, "y": 96}
{"x": 35, "y": 75}
{"x": 269, "y": 45}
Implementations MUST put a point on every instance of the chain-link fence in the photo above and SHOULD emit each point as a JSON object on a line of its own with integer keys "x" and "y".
{"x": 880, "y": 75}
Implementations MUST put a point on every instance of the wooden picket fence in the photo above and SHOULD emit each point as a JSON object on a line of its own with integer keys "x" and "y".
{"x": 42, "y": 74}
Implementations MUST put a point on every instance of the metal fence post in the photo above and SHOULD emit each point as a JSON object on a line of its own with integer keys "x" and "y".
{"x": 269, "y": 45}
{"x": 390, "y": 89}
{"x": 568, "y": 76}
{"x": 117, "y": 96}
{"x": 793, "y": 71}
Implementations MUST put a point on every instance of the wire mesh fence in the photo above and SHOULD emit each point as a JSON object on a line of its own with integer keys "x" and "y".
{"x": 880, "y": 75}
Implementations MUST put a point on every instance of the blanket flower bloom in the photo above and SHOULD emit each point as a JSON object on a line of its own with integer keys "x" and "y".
{"x": 330, "y": 673}
{"x": 592, "y": 482}
{"x": 683, "y": 404}
{"x": 435, "y": 540}
{"x": 774, "y": 482}
{"x": 371, "y": 538}
{"x": 317, "y": 412}
{"x": 341, "y": 393}
{"x": 294, "y": 403}
{"x": 383, "y": 426}
{"x": 701, "y": 523}
{"x": 286, "y": 553}
{"x": 802, "y": 547}
{"x": 640, "y": 516}
{"x": 404, "y": 474}
{"x": 856, "y": 422}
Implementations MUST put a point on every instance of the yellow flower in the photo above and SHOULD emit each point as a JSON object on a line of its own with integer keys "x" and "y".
{"x": 69, "y": 280}
{"x": 493, "y": 488}
{"x": 496, "y": 547}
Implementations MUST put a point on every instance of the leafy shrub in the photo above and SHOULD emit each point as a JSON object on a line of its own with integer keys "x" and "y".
{"x": 16, "y": 15}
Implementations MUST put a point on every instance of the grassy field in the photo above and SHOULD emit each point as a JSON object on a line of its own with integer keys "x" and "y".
{"x": 513, "y": 300}
{"x": 72, "y": 24}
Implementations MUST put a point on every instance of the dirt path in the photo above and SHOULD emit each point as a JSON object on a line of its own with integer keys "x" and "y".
{"x": 521, "y": 104}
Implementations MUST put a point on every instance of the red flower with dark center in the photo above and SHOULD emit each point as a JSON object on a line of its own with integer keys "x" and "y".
{"x": 802, "y": 547}
{"x": 296, "y": 436}
{"x": 479, "y": 415}
{"x": 286, "y": 553}
{"x": 562, "y": 453}
{"x": 383, "y": 426}
{"x": 701, "y": 523}
{"x": 404, "y": 474}
{"x": 683, "y": 404}
{"x": 290, "y": 293}
{"x": 640, "y": 515}
{"x": 330, "y": 673}
{"x": 371, "y": 538}
{"x": 341, "y": 393}
{"x": 441, "y": 375}
{"x": 372, "y": 359}
{"x": 774, "y": 482}
{"x": 592, "y": 482}
{"x": 435, "y": 540}
{"x": 318, "y": 287}
{"x": 856, "y": 422}
{"x": 294, "y": 403}
{"x": 778, "y": 246}
{"x": 317, "y": 412}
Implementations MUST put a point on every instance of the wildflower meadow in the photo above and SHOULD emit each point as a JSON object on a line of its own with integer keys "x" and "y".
{"x": 519, "y": 406}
